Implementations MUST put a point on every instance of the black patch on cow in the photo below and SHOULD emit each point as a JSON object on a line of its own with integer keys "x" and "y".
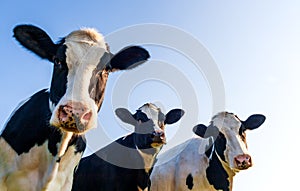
{"x": 140, "y": 116}
{"x": 215, "y": 172}
{"x": 54, "y": 137}
{"x": 29, "y": 125}
{"x": 189, "y": 181}
{"x": 220, "y": 145}
{"x": 80, "y": 143}
{"x": 59, "y": 76}
{"x": 58, "y": 160}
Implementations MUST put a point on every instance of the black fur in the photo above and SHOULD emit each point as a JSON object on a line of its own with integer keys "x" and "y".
{"x": 23, "y": 132}
{"x": 215, "y": 173}
{"x": 189, "y": 182}
{"x": 106, "y": 169}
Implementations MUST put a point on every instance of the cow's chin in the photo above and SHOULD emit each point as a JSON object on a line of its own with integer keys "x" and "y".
{"x": 157, "y": 144}
{"x": 77, "y": 130}
{"x": 75, "y": 127}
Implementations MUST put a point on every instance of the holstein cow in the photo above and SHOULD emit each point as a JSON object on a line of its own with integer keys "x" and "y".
{"x": 43, "y": 141}
{"x": 208, "y": 162}
{"x": 126, "y": 163}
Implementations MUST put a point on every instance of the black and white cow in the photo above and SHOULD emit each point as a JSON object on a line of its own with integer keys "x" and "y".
{"x": 208, "y": 162}
{"x": 126, "y": 163}
{"x": 43, "y": 141}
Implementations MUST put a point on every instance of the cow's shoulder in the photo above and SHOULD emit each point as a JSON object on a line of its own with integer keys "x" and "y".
{"x": 29, "y": 125}
{"x": 126, "y": 141}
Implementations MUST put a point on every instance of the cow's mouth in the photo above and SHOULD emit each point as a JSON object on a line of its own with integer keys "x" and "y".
{"x": 157, "y": 144}
{"x": 158, "y": 141}
{"x": 74, "y": 127}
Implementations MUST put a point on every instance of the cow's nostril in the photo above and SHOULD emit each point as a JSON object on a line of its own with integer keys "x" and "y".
{"x": 87, "y": 116}
{"x": 62, "y": 113}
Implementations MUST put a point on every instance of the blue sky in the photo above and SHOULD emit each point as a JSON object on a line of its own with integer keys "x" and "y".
{"x": 254, "y": 44}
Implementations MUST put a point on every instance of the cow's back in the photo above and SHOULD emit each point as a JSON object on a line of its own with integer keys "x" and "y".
{"x": 95, "y": 174}
{"x": 185, "y": 169}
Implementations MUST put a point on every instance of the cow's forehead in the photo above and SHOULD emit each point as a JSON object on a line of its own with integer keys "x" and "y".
{"x": 85, "y": 46}
{"x": 87, "y": 35}
{"x": 226, "y": 121}
{"x": 151, "y": 110}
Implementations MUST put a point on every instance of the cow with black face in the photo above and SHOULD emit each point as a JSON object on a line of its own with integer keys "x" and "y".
{"x": 126, "y": 163}
{"x": 209, "y": 161}
{"x": 43, "y": 140}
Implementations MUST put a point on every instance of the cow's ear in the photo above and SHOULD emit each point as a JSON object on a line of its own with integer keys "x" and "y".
{"x": 129, "y": 57}
{"x": 205, "y": 132}
{"x": 200, "y": 130}
{"x": 125, "y": 116}
{"x": 35, "y": 40}
{"x": 173, "y": 116}
{"x": 254, "y": 121}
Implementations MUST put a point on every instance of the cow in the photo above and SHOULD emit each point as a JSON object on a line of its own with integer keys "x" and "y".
{"x": 126, "y": 163}
{"x": 209, "y": 161}
{"x": 43, "y": 140}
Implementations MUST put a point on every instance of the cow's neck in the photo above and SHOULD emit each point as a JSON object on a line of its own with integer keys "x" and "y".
{"x": 231, "y": 173}
{"x": 223, "y": 179}
{"x": 149, "y": 157}
{"x": 62, "y": 148}
{"x": 64, "y": 144}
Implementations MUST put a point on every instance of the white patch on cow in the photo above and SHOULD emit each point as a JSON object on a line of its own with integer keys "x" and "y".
{"x": 64, "y": 177}
{"x": 25, "y": 171}
{"x": 51, "y": 106}
{"x": 152, "y": 112}
{"x": 84, "y": 50}
{"x": 229, "y": 125}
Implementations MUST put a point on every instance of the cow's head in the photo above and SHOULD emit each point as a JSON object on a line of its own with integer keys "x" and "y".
{"x": 82, "y": 62}
{"x": 229, "y": 138}
{"x": 149, "y": 123}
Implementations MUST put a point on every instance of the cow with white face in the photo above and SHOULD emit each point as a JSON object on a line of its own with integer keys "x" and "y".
{"x": 209, "y": 161}
{"x": 43, "y": 140}
{"x": 126, "y": 164}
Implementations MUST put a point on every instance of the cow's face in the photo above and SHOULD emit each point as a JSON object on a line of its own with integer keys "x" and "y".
{"x": 228, "y": 133}
{"x": 149, "y": 124}
{"x": 82, "y": 62}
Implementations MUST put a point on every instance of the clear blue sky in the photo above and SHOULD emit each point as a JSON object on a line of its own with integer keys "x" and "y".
{"x": 255, "y": 45}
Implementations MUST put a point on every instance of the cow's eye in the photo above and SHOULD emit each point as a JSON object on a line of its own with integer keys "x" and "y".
{"x": 56, "y": 61}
